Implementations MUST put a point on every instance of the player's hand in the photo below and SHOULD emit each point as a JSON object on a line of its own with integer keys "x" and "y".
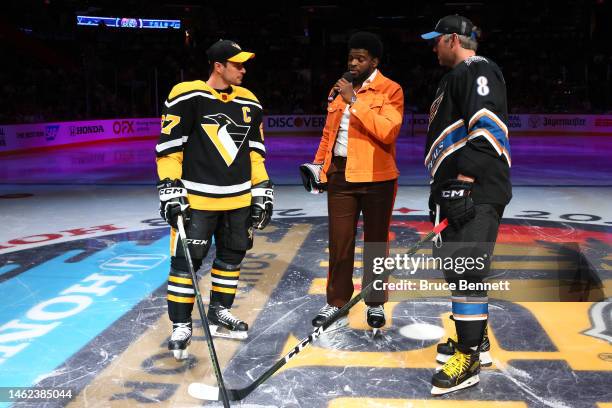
{"x": 262, "y": 203}
{"x": 345, "y": 89}
{"x": 172, "y": 201}
{"x": 456, "y": 202}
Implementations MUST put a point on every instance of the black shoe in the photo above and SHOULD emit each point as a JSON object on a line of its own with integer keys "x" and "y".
{"x": 375, "y": 315}
{"x": 324, "y": 314}
{"x": 459, "y": 372}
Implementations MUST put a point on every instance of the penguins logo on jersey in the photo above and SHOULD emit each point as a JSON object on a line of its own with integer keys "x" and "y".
{"x": 225, "y": 134}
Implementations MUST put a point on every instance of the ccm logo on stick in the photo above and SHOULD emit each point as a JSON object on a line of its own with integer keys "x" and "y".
{"x": 197, "y": 241}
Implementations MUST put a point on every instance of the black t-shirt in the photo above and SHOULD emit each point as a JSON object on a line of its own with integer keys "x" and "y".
{"x": 468, "y": 131}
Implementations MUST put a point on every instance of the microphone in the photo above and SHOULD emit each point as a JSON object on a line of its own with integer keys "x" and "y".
{"x": 349, "y": 77}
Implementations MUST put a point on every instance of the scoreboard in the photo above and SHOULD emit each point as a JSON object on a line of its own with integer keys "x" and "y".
{"x": 128, "y": 22}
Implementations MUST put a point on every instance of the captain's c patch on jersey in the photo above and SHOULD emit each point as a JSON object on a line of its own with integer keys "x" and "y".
{"x": 226, "y": 135}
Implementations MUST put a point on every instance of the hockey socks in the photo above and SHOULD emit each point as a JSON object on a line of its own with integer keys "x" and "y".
{"x": 224, "y": 279}
{"x": 181, "y": 296}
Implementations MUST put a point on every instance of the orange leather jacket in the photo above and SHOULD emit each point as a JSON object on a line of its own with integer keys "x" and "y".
{"x": 375, "y": 121}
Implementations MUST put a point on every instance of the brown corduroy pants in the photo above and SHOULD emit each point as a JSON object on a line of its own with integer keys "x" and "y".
{"x": 345, "y": 202}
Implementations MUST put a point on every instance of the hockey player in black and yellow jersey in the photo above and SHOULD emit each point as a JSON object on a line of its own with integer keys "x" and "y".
{"x": 210, "y": 162}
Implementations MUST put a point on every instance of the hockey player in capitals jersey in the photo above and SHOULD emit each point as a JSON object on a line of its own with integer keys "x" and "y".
{"x": 468, "y": 157}
{"x": 210, "y": 162}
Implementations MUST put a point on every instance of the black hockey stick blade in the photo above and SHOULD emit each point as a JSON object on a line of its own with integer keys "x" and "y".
{"x": 212, "y": 393}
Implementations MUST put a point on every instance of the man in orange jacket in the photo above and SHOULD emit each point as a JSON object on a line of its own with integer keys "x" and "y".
{"x": 357, "y": 155}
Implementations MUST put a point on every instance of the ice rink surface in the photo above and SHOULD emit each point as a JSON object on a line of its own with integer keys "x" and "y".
{"x": 84, "y": 263}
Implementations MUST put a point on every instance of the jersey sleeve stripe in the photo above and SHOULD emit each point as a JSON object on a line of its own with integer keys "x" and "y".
{"x": 170, "y": 144}
{"x": 501, "y": 150}
{"x": 433, "y": 167}
{"x": 257, "y": 146}
{"x": 489, "y": 137}
{"x": 484, "y": 112}
{"x": 451, "y": 128}
{"x": 488, "y": 126}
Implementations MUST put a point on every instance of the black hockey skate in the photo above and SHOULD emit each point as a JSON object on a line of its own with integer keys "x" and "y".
{"x": 325, "y": 313}
{"x": 180, "y": 340}
{"x": 459, "y": 372}
{"x": 446, "y": 350}
{"x": 375, "y": 315}
{"x": 224, "y": 324}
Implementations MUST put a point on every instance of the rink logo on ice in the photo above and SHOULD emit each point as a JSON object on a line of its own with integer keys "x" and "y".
{"x": 601, "y": 320}
{"x": 58, "y": 305}
{"x": 47, "y": 315}
{"x": 133, "y": 262}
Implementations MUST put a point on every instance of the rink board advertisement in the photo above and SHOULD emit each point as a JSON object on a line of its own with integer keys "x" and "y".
{"x": 43, "y": 135}
{"x": 91, "y": 312}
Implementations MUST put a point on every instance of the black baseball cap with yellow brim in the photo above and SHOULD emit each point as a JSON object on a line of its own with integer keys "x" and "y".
{"x": 226, "y": 50}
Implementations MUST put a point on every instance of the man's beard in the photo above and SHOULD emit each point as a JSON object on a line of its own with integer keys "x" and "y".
{"x": 359, "y": 79}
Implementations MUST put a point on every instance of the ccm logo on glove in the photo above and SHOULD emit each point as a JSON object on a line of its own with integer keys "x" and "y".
{"x": 454, "y": 193}
{"x": 172, "y": 192}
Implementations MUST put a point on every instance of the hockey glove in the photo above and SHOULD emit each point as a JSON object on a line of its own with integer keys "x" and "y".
{"x": 172, "y": 201}
{"x": 456, "y": 203}
{"x": 311, "y": 179}
{"x": 261, "y": 203}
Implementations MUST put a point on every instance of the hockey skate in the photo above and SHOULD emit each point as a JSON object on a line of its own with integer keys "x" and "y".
{"x": 224, "y": 324}
{"x": 180, "y": 340}
{"x": 446, "y": 350}
{"x": 325, "y": 313}
{"x": 459, "y": 372}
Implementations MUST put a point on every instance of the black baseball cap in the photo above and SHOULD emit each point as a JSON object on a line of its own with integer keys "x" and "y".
{"x": 226, "y": 50}
{"x": 454, "y": 24}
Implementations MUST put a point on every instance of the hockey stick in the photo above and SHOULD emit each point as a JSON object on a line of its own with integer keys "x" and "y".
{"x": 211, "y": 393}
{"x": 222, "y": 392}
